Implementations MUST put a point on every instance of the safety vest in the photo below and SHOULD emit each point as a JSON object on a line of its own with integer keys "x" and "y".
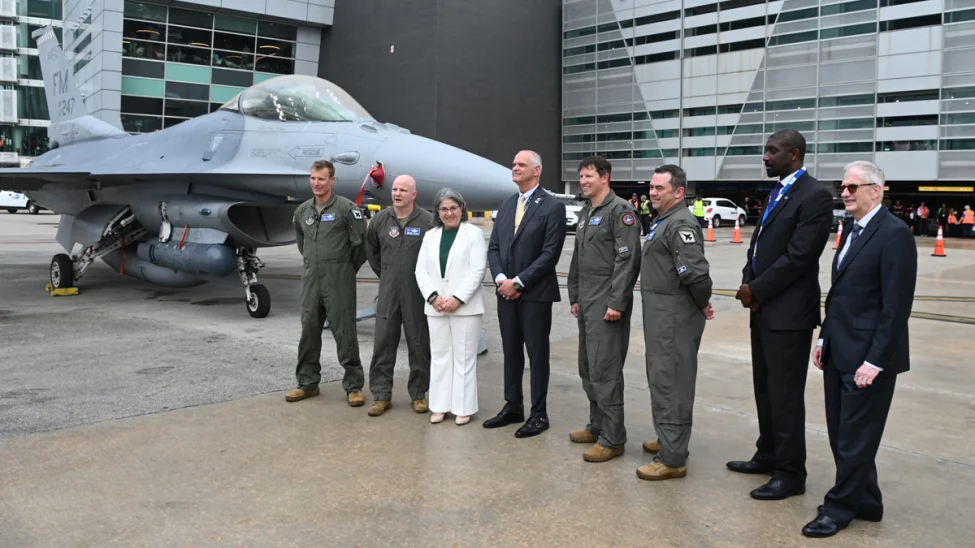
{"x": 952, "y": 219}
{"x": 968, "y": 217}
{"x": 699, "y": 208}
{"x": 645, "y": 207}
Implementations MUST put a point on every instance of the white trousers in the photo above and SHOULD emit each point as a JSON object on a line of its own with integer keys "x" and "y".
{"x": 453, "y": 363}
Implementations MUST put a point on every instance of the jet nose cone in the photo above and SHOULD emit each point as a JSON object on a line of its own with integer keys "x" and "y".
{"x": 483, "y": 184}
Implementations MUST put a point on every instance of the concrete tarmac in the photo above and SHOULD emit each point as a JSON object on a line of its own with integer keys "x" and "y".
{"x": 132, "y": 415}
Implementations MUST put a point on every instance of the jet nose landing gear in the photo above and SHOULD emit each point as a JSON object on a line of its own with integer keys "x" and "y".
{"x": 62, "y": 271}
{"x": 258, "y": 298}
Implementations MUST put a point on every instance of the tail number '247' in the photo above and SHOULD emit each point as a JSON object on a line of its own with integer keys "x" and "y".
{"x": 66, "y": 107}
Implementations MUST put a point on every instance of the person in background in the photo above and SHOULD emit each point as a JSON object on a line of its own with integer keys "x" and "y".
{"x": 921, "y": 227}
{"x": 634, "y": 201}
{"x": 449, "y": 272}
{"x": 943, "y": 216}
{"x": 699, "y": 211}
{"x": 967, "y": 222}
{"x": 645, "y": 209}
{"x": 951, "y": 230}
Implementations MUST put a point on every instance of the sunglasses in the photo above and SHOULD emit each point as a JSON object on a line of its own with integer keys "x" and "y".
{"x": 851, "y": 187}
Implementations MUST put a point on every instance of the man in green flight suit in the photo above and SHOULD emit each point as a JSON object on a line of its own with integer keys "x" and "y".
{"x": 605, "y": 265}
{"x": 330, "y": 232}
{"x": 675, "y": 284}
{"x": 392, "y": 245}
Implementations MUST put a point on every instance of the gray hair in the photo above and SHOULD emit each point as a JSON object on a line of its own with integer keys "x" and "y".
{"x": 869, "y": 173}
{"x": 448, "y": 193}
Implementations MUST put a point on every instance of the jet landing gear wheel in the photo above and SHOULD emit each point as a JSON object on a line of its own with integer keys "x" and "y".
{"x": 62, "y": 271}
{"x": 258, "y": 301}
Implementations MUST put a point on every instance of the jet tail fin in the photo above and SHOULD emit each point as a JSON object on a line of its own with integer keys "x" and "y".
{"x": 64, "y": 100}
{"x": 69, "y": 119}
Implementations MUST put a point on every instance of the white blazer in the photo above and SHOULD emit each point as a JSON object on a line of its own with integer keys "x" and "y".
{"x": 466, "y": 264}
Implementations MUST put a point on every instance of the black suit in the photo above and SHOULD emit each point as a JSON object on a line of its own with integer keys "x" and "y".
{"x": 867, "y": 310}
{"x": 785, "y": 284}
{"x": 530, "y": 255}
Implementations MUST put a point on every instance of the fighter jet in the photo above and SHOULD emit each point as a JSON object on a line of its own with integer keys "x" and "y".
{"x": 194, "y": 202}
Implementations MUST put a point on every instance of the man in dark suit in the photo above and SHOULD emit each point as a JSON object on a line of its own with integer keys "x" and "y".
{"x": 780, "y": 284}
{"x": 863, "y": 345}
{"x": 525, "y": 246}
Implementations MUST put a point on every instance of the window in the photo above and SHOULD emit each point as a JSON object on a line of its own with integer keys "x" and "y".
{"x": 613, "y": 118}
{"x": 606, "y": 46}
{"x": 658, "y": 18}
{"x": 852, "y": 30}
{"x": 142, "y": 105}
{"x": 182, "y": 90}
{"x": 742, "y": 23}
{"x": 189, "y": 36}
{"x": 232, "y": 23}
{"x": 134, "y": 123}
{"x": 701, "y": 31}
{"x": 700, "y": 111}
{"x": 138, "y": 49}
{"x": 29, "y": 67}
{"x": 849, "y": 7}
{"x": 32, "y": 103}
{"x": 588, "y": 31}
{"x": 569, "y": 52}
{"x": 911, "y": 22}
{"x": 579, "y": 121}
{"x": 901, "y": 146}
{"x": 851, "y": 123}
{"x": 575, "y": 69}
{"x": 654, "y": 38}
{"x": 624, "y": 62}
{"x": 844, "y": 147}
{"x": 666, "y": 133}
{"x": 277, "y": 30}
{"x": 190, "y": 55}
{"x": 797, "y": 37}
{"x": 143, "y": 69}
{"x": 958, "y": 144}
{"x": 642, "y": 115}
{"x": 275, "y": 48}
{"x": 798, "y": 15}
{"x": 958, "y": 93}
{"x": 25, "y": 38}
{"x": 725, "y": 203}
{"x": 758, "y": 43}
{"x": 237, "y": 42}
{"x": 588, "y": 138}
{"x": 744, "y": 151}
{"x": 190, "y": 18}
{"x": 797, "y": 126}
{"x": 732, "y": 4}
{"x": 846, "y": 100}
{"x": 792, "y": 104}
{"x": 615, "y": 136}
{"x": 664, "y": 114}
{"x": 185, "y": 109}
{"x": 885, "y": 3}
{"x": 652, "y": 153}
{"x": 962, "y": 118}
{"x": 655, "y": 58}
{"x": 693, "y": 152}
{"x": 729, "y": 109}
{"x": 48, "y": 9}
{"x": 703, "y": 50}
{"x": 700, "y": 10}
{"x": 903, "y": 96}
{"x": 908, "y": 121}
{"x": 959, "y": 16}
{"x": 146, "y": 12}
{"x": 749, "y": 129}
{"x": 698, "y": 131}
{"x": 617, "y": 154}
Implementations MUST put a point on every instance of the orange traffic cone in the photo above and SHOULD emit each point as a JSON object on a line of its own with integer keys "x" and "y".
{"x": 736, "y": 238}
{"x": 839, "y": 235}
{"x": 939, "y": 245}
{"x": 710, "y": 236}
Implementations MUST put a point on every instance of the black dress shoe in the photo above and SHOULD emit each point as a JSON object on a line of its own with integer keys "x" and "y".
{"x": 750, "y": 467}
{"x": 823, "y": 526}
{"x": 777, "y": 489}
{"x": 533, "y": 427}
{"x": 865, "y": 515}
{"x": 504, "y": 418}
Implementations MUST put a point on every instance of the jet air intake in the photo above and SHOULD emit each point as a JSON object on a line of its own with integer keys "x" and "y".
{"x": 203, "y": 259}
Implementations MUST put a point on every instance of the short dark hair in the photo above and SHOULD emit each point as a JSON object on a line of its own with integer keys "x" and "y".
{"x": 792, "y": 139}
{"x": 447, "y": 193}
{"x": 678, "y": 177}
{"x": 324, "y": 164}
{"x": 600, "y": 164}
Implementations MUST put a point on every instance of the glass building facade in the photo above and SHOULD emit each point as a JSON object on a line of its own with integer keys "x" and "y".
{"x": 179, "y": 63}
{"x": 703, "y": 84}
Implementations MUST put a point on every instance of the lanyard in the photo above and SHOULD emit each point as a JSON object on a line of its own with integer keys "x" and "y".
{"x": 786, "y": 185}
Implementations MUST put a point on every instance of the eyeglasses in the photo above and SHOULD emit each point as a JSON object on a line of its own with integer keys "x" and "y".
{"x": 851, "y": 187}
{"x": 448, "y": 209}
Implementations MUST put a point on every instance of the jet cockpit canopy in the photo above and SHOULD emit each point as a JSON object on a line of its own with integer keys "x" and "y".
{"x": 297, "y": 98}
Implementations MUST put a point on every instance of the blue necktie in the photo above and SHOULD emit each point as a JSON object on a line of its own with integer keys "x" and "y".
{"x": 853, "y": 240}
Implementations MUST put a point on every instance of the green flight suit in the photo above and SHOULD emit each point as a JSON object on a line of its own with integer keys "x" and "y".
{"x": 332, "y": 243}
{"x": 392, "y": 250}
{"x": 675, "y": 285}
{"x": 605, "y": 265}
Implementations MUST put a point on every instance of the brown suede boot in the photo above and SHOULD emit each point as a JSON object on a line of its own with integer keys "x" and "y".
{"x": 356, "y": 399}
{"x": 656, "y": 471}
{"x": 651, "y": 446}
{"x": 420, "y": 406}
{"x": 299, "y": 394}
{"x": 379, "y": 407}
{"x": 582, "y": 436}
{"x": 598, "y": 453}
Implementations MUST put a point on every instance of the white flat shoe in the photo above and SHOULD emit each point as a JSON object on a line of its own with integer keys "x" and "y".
{"x": 462, "y": 420}
{"x": 437, "y": 417}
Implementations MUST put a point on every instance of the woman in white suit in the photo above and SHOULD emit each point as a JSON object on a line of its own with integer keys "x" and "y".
{"x": 449, "y": 271}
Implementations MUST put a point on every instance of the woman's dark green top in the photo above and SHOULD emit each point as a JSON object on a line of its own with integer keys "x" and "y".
{"x": 446, "y": 240}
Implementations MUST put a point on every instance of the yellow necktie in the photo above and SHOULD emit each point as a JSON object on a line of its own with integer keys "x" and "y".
{"x": 520, "y": 212}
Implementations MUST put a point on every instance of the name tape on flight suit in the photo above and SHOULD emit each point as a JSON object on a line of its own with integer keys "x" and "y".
{"x": 682, "y": 270}
{"x": 595, "y": 221}
{"x": 328, "y": 217}
{"x": 412, "y": 231}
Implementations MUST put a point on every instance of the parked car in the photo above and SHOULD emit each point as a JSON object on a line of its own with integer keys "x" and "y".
{"x": 720, "y": 210}
{"x": 840, "y": 214}
{"x": 15, "y": 201}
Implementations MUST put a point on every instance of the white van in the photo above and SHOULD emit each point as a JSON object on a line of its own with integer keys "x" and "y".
{"x": 15, "y": 201}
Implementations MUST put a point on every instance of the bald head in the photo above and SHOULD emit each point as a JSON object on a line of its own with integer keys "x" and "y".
{"x": 403, "y": 194}
{"x": 526, "y": 169}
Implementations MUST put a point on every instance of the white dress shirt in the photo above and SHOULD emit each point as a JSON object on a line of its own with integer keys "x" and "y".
{"x": 527, "y": 195}
{"x": 846, "y": 247}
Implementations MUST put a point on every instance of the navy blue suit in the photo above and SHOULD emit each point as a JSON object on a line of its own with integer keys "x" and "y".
{"x": 867, "y": 312}
{"x": 530, "y": 254}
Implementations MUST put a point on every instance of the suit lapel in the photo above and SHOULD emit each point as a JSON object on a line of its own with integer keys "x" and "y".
{"x": 533, "y": 204}
{"x": 457, "y": 239}
{"x": 865, "y": 236}
{"x": 836, "y": 256}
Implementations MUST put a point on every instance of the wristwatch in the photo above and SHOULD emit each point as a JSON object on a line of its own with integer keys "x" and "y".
{"x": 518, "y": 286}
{"x": 433, "y": 296}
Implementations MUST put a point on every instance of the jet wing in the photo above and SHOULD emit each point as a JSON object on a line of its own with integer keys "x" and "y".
{"x": 27, "y": 179}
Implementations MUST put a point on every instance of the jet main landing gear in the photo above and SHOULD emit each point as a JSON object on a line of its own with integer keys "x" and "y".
{"x": 258, "y": 298}
{"x": 66, "y": 270}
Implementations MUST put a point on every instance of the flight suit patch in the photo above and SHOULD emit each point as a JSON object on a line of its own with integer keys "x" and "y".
{"x": 310, "y": 220}
{"x": 628, "y": 219}
{"x": 649, "y": 236}
{"x": 682, "y": 270}
{"x": 328, "y": 217}
{"x": 595, "y": 221}
{"x": 687, "y": 237}
{"x": 412, "y": 231}
{"x": 393, "y": 232}
{"x": 623, "y": 250}
{"x": 357, "y": 213}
